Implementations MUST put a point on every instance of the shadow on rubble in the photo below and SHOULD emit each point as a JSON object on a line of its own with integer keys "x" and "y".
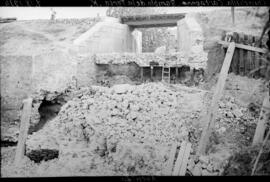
{"x": 241, "y": 163}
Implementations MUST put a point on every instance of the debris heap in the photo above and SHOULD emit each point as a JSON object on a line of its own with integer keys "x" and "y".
{"x": 147, "y": 114}
{"x": 194, "y": 60}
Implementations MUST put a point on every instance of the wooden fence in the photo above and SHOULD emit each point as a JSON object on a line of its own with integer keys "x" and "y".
{"x": 244, "y": 61}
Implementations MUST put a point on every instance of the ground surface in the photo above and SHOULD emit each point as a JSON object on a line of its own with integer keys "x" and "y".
{"x": 129, "y": 130}
{"x": 30, "y": 37}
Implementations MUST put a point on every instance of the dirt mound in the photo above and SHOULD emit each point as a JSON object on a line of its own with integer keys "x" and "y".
{"x": 37, "y": 36}
{"x": 129, "y": 129}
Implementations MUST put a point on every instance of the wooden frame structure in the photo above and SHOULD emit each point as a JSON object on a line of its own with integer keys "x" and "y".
{"x": 243, "y": 68}
{"x": 247, "y": 56}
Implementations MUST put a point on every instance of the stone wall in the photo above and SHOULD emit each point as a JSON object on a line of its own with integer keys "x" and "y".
{"x": 107, "y": 36}
{"x": 144, "y": 59}
{"x": 15, "y": 86}
{"x": 191, "y": 39}
{"x": 53, "y": 71}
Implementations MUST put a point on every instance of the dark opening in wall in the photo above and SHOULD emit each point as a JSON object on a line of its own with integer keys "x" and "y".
{"x": 47, "y": 110}
{"x": 42, "y": 155}
{"x": 8, "y": 143}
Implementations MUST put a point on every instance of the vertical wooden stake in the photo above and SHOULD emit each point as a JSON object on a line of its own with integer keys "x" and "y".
{"x": 262, "y": 121}
{"x": 257, "y": 61}
{"x": 151, "y": 76}
{"x": 176, "y": 72}
{"x": 179, "y": 159}
{"x": 183, "y": 168}
{"x": 241, "y": 56}
{"x": 253, "y": 57}
{"x": 235, "y": 59}
{"x": 24, "y": 126}
{"x": 210, "y": 117}
{"x": 247, "y": 56}
{"x": 169, "y": 167}
{"x": 141, "y": 73}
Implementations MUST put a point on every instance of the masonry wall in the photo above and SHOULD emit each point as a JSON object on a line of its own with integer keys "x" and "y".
{"x": 15, "y": 86}
{"x": 23, "y": 75}
{"x": 53, "y": 70}
{"x": 107, "y": 36}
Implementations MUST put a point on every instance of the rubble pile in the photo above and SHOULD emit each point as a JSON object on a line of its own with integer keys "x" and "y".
{"x": 144, "y": 59}
{"x": 233, "y": 115}
{"x": 149, "y": 114}
{"x": 129, "y": 130}
{"x": 205, "y": 166}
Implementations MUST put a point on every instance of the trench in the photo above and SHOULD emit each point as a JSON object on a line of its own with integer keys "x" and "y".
{"x": 109, "y": 75}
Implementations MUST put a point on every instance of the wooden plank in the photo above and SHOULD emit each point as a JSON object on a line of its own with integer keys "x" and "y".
{"x": 257, "y": 60}
{"x": 141, "y": 73}
{"x": 246, "y": 56}
{"x": 252, "y": 43}
{"x": 169, "y": 167}
{"x": 262, "y": 121}
{"x": 242, "y": 46}
{"x": 24, "y": 126}
{"x": 183, "y": 168}
{"x": 235, "y": 60}
{"x": 241, "y": 56}
{"x": 210, "y": 117}
{"x": 151, "y": 75}
{"x": 176, "y": 72}
{"x": 179, "y": 159}
{"x": 262, "y": 63}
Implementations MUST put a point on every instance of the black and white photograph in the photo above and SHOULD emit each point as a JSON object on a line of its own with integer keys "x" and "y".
{"x": 135, "y": 91}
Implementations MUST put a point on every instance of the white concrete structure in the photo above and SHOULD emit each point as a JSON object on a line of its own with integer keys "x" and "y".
{"x": 109, "y": 36}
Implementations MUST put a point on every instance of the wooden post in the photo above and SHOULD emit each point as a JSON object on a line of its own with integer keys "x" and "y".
{"x": 176, "y": 72}
{"x": 179, "y": 159}
{"x": 151, "y": 69}
{"x": 252, "y": 43}
{"x": 182, "y": 159}
{"x": 141, "y": 73}
{"x": 257, "y": 60}
{"x": 246, "y": 56}
{"x": 183, "y": 167}
{"x": 24, "y": 126}
{"x": 262, "y": 63}
{"x": 262, "y": 121}
{"x": 235, "y": 60}
{"x": 210, "y": 117}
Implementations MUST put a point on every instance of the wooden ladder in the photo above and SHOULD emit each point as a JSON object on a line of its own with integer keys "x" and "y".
{"x": 166, "y": 71}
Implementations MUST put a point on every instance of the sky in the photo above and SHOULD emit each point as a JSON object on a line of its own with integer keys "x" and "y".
{"x": 30, "y": 13}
